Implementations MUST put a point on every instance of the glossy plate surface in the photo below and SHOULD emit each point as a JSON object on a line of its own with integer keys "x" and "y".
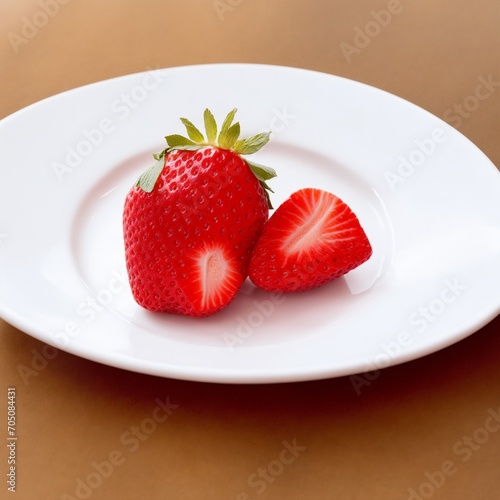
{"x": 428, "y": 199}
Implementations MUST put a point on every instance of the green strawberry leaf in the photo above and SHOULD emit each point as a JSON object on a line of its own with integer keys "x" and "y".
{"x": 226, "y": 125}
{"x": 193, "y": 133}
{"x": 161, "y": 154}
{"x": 262, "y": 172}
{"x": 148, "y": 179}
{"x": 176, "y": 140}
{"x": 267, "y": 189}
{"x": 210, "y": 126}
{"x": 252, "y": 144}
{"x": 228, "y": 140}
{"x": 265, "y": 185}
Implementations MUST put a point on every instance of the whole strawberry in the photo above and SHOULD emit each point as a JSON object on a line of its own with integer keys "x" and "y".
{"x": 193, "y": 217}
{"x": 311, "y": 239}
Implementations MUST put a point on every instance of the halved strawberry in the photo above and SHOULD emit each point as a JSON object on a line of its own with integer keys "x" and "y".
{"x": 192, "y": 219}
{"x": 311, "y": 239}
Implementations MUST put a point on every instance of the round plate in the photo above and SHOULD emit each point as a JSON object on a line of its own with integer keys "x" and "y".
{"x": 428, "y": 199}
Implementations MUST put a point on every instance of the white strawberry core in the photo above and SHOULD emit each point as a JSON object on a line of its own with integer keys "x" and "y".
{"x": 317, "y": 221}
{"x": 214, "y": 270}
{"x": 310, "y": 223}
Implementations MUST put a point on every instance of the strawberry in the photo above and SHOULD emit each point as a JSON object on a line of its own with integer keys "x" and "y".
{"x": 311, "y": 239}
{"x": 191, "y": 220}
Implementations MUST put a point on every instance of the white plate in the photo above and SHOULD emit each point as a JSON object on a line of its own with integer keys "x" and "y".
{"x": 428, "y": 199}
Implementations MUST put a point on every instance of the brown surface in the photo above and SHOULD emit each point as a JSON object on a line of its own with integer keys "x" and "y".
{"x": 435, "y": 413}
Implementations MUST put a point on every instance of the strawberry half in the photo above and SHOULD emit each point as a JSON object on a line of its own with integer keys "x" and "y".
{"x": 311, "y": 239}
{"x": 193, "y": 217}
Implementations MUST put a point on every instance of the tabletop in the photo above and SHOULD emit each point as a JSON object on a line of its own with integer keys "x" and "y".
{"x": 423, "y": 429}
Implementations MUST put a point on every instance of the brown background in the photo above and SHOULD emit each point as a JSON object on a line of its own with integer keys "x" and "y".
{"x": 411, "y": 421}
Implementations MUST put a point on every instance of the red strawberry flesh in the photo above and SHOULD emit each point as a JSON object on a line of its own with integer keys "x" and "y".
{"x": 311, "y": 239}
